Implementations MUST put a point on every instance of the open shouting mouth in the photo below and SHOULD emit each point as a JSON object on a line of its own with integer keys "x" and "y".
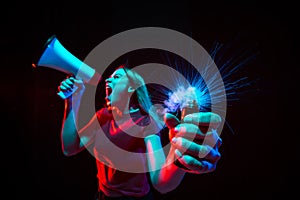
{"x": 108, "y": 94}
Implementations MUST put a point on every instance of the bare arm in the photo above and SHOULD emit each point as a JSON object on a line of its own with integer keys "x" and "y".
{"x": 74, "y": 139}
{"x": 194, "y": 157}
{"x": 165, "y": 175}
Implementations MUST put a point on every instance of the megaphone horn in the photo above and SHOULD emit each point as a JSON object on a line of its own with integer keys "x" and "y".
{"x": 55, "y": 56}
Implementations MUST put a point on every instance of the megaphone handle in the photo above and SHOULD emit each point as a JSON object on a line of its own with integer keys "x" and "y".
{"x": 66, "y": 94}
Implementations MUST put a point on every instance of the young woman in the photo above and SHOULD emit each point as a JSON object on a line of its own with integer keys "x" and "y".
{"x": 125, "y": 139}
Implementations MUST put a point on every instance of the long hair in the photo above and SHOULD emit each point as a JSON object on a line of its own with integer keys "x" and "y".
{"x": 141, "y": 98}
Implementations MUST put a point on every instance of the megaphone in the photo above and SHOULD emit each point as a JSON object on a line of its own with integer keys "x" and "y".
{"x": 57, "y": 57}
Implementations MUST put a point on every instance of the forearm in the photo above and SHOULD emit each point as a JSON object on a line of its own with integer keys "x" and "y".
{"x": 69, "y": 134}
{"x": 169, "y": 176}
{"x": 164, "y": 174}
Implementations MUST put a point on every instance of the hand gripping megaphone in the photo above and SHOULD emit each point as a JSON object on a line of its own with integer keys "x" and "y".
{"x": 55, "y": 56}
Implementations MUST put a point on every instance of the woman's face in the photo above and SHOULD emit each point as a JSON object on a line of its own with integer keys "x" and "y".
{"x": 117, "y": 86}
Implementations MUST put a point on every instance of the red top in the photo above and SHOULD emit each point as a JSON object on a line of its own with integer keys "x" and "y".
{"x": 120, "y": 152}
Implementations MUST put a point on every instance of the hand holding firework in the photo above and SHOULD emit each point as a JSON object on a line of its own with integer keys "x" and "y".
{"x": 191, "y": 153}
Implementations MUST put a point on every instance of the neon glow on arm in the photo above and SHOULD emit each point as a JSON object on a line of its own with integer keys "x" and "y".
{"x": 165, "y": 176}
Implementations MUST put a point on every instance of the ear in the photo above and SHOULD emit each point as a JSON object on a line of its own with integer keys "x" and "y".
{"x": 130, "y": 89}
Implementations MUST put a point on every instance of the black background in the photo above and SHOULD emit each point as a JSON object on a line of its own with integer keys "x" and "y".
{"x": 258, "y": 160}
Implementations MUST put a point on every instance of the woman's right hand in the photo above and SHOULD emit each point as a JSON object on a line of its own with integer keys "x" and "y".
{"x": 70, "y": 86}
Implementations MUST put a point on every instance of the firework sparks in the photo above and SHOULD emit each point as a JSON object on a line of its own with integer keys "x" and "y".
{"x": 181, "y": 98}
{"x": 206, "y": 88}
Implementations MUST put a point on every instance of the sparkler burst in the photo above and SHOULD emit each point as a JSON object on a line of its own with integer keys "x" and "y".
{"x": 181, "y": 98}
{"x": 207, "y": 88}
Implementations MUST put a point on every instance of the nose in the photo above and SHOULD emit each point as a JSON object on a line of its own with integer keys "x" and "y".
{"x": 108, "y": 80}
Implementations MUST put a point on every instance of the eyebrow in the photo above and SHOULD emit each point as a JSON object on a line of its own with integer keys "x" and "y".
{"x": 118, "y": 73}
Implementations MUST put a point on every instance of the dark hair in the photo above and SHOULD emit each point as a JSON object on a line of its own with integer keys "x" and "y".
{"x": 140, "y": 98}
